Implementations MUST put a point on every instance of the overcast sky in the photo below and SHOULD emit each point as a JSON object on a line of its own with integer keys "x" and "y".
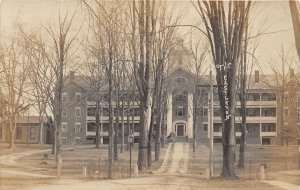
{"x": 271, "y": 17}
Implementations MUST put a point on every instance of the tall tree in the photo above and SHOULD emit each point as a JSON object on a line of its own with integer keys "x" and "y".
{"x": 225, "y": 28}
{"x": 295, "y": 13}
{"x": 15, "y": 66}
{"x": 143, "y": 71}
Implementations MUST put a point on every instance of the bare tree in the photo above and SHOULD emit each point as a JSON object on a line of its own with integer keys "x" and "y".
{"x": 15, "y": 64}
{"x": 199, "y": 53}
{"x": 295, "y": 13}
{"x": 225, "y": 28}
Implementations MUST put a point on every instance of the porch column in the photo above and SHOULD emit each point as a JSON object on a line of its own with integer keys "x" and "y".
{"x": 190, "y": 115}
{"x": 169, "y": 114}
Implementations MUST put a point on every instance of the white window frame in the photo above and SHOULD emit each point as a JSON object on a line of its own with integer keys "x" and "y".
{"x": 78, "y": 94}
{"x": 78, "y": 108}
{"x": 204, "y": 112}
{"x": 66, "y": 124}
{"x": 64, "y": 110}
{"x": 76, "y": 124}
{"x": 182, "y": 111}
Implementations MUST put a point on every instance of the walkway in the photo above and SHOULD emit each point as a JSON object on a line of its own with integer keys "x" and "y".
{"x": 288, "y": 180}
{"x": 176, "y": 160}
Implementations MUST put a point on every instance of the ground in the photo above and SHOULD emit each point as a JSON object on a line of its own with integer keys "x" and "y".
{"x": 28, "y": 168}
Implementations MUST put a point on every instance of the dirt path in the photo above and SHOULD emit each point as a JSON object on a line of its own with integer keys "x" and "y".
{"x": 176, "y": 159}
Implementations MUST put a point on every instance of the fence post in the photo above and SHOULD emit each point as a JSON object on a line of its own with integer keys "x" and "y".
{"x": 262, "y": 172}
{"x": 84, "y": 170}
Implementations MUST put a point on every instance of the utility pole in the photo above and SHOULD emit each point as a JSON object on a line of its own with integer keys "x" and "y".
{"x": 211, "y": 123}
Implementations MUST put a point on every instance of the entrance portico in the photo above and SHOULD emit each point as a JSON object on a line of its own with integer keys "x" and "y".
{"x": 180, "y": 129}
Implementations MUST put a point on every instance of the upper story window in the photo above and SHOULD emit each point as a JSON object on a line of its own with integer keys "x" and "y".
{"x": 205, "y": 112}
{"x": 78, "y": 97}
{"x": 238, "y": 127}
{"x": 64, "y": 127}
{"x": 268, "y": 112}
{"x": 217, "y": 112}
{"x": 217, "y": 127}
{"x": 180, "y": 111}
{"x": 253, "y": 97}
{"x": 268, "y": 127}
{"x": 77, "y": 111}
{"x": 180, "y": 79}
{"x": 253, "y": 112}
{"x": 180, "y": 98}
{"x": 77, "y": 127}
{"x": 64, "y": 112}
{"x": 91, "y": 111}
{"x": 252, "y": 127}
{"x": 64, "y": 97}
{"x": 268, "y": 97}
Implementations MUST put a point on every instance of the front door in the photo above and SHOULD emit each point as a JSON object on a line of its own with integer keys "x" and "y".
{"x": 180, "y": 130}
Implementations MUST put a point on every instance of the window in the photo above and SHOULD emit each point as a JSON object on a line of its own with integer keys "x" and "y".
{"x": 64, "y": 112}
{"x": 77, "y": 127}
{"x": 265, "y": 141}
{"x": 180, "y": 111}
{"x": 253, "y": 97}
{"x": 105, "y": 111}
{"x": 217, "y": 127}
{"x": 238, "y": 112}
{"x": 205, "y": 127}
{"x": 77, "y": 112}
{"x": 298, "y": 127}
{"x": 64, "y": 127}
{"x": 268, "y": 97}
{"x": 136, "y": 127}
{"x": 19, "y": 133}
{"x": 268, "y": 112}
{"x": 205, "y": 112}
{"x": 91, "y": 127}
{"x": 217, "y": 112}
{"x": 32, "y": 132}
{"x": 180, "y": 98}
{"x": 181, "y": 79}
{"x": 238, "y": 127}
{"x": 268, "y": 127}
{"x": 253, "y": 112}
{"x": 78, "y": 97}
{"x": 91, "y": 111}
{"x": 252, "y": 128}
{"x": 0, "y": 132}
{"x": 64, "y": 97}
{"x": 298, "y": 114}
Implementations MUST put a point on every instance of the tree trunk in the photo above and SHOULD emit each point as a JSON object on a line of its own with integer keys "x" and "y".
{"x": 117, "y": 124}
{"x": 12, "y": 136}
{"x": 163, "y": 126}
{"x": 243, "y": 78}
{"x": 111, "y": 125}
{"x": 98, "y": 129}
{"x": 296, "y": 23}
{"x": 122, "y": 128}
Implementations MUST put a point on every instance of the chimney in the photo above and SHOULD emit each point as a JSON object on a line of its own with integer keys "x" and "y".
{"x": 72, "y": 74}
{"x": 256, "y": 76}
{"x": 292, "y": 73}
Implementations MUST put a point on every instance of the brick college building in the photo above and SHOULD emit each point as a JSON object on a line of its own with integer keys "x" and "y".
{"x": 265, "y": 122}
